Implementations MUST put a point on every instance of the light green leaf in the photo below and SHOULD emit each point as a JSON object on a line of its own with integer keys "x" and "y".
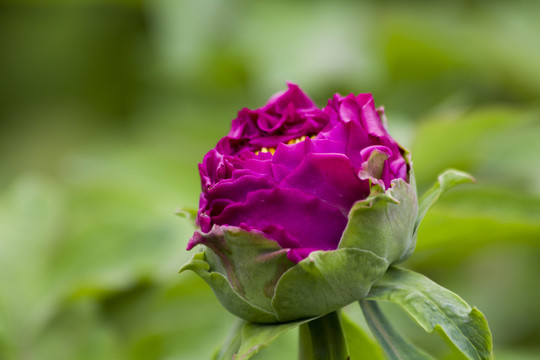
{"x": 232, "y": 342}
{"x": 395, "y": 346}
{"x": 326, "y": 281}
{"x": 446, "y": 180}
{"x": 436, "y": 308}
{"x": 257, "y": 336}
{"x": 187, "y": 213}
{"x": 360, "y": 344}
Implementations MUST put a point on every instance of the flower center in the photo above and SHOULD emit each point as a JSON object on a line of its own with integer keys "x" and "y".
{"x": 272, "y": 150}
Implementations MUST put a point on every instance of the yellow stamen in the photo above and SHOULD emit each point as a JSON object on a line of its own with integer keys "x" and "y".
{"x": 265, "y": 150}
{"x": 272, "y": 150}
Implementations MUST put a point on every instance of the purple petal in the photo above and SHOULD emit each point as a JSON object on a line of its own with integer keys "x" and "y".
{"x": 370, "y": 118}
{"x": 299, "y": 195}
{"x": 329, "y": 177}
{"x": 293, "y": 95}
{"x": 299, "y": 254}
{"x": 235, "y": 191}
{"x": 307, "y": 221}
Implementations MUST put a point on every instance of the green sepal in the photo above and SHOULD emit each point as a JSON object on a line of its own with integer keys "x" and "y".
{"x": 225, "y": 293}
{"x": 445, "y": 181}
{"x": 436, "y": 308}
{"x": 383, "y": 223}
{"x": 326, "y": 281}
{"x": 253, "y": 279}
{"x": 252, "y": 263}
{"x": 372, "y": 169}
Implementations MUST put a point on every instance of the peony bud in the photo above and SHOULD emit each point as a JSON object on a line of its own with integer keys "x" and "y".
{"x": 303, "y": 209}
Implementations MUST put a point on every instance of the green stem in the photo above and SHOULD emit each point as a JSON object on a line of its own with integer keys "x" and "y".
{"x": 323, "y": 338}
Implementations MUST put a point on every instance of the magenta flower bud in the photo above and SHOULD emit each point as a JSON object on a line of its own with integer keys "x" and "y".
{"x": 303, "y": 209}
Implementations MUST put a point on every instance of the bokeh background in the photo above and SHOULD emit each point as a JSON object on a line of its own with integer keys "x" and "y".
{"x": 106, "y": 107}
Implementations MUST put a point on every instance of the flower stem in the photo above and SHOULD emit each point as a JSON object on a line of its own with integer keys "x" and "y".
{"x": 323, "y": 338}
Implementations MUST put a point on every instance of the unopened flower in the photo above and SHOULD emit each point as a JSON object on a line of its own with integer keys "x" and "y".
{"x": 302, "y": 209}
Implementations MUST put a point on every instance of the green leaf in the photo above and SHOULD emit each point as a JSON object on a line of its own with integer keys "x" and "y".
{"x": 436, "y": 308}
{"x": 326, "y": 281}
{"x": 323, "y": 338}
{"x": 395, "y": 346}
{"x": 360, "y": 344}
{"x": 446, "y": 180}
{"x": 257, "y": 336}
{"x": 232, "y": 342}
{"x": 384, "y": 223}
{"x": 188, "y": 214}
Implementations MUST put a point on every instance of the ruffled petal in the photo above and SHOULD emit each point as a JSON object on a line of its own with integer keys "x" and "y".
{"x": 287, "y": 115}
{"x": 293, "y": 95}
{"x": 288, "y": 157}
{"x": 370, "y": 118}
{"x": 237, "y": 190}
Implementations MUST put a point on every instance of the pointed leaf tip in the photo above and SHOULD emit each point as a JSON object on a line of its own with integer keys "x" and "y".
{"x": 452, "y": 177}
{"x": 445, "y": 181}
{"x": 196, "y": 264}
{"x": 188, "y": 214}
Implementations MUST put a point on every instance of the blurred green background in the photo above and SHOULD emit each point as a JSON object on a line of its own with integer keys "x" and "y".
{"x": 106, "y": 107}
